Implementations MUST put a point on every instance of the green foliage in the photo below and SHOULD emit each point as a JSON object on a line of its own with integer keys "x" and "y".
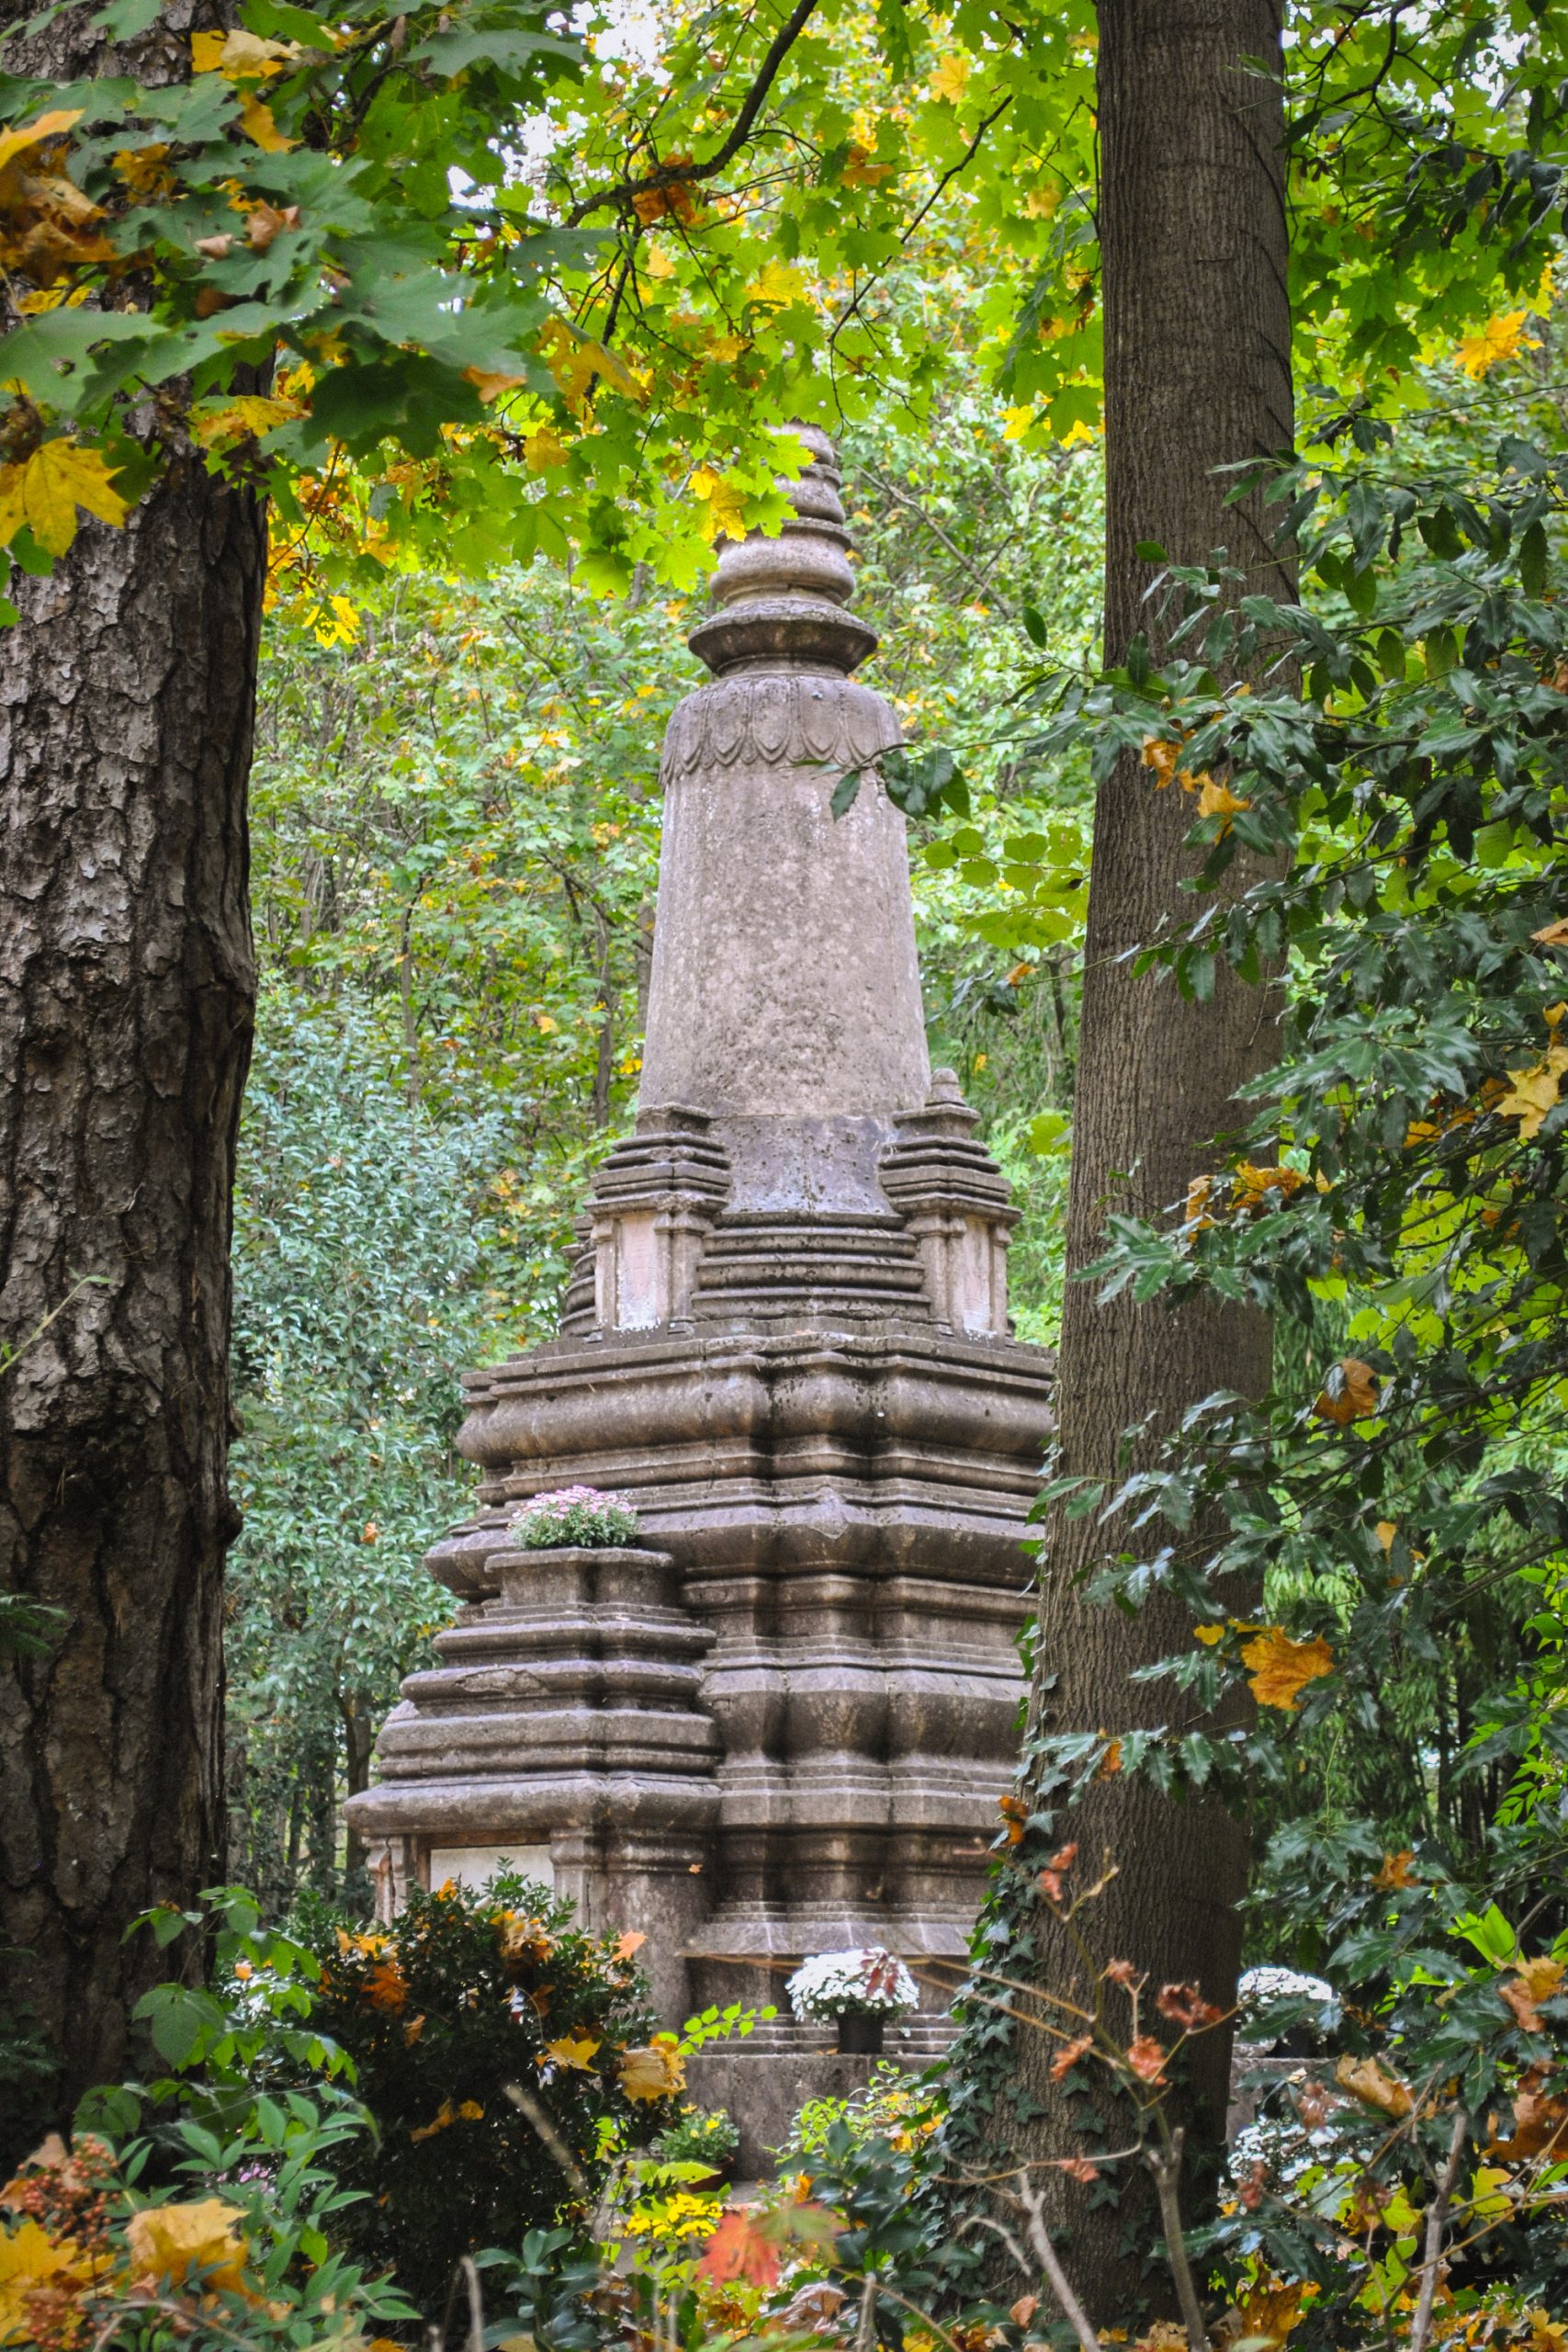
{"x": 704, "y": 2135}
{"x": 503, "y": 2054}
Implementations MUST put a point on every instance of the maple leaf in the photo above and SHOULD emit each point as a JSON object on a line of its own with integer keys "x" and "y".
{"x": 950, "y": 78}
{"x": 45, "y": 490}
{"x": 256, "y": 120}
{"x": 494, "y": 384}
{"x": 632, "y": 1941}
{"x": 1533, "y": 1094}
{"x": 1368, "y": 2080}
{"x": 654, "y": 2070}
{"x": 739, "y": 2250}
{"x": 1499, "y": 339}
{"x": 575, "y": 2050}
{"x": 40, "y": 133}
{"x": 1395, "y": 1869}
{"x": 778, "y": 285}
{"x": 1271, "y": 2313}
{"x": 1068, "y": 2057}
{"x": 385, "y": 1987}
{"x": 241, "y": 56}
{"x": 1146, "y": 2058}
{"x": 1355, "y": 1397}
{"x": 1278, "y": 1669}
{"x": 248, "y": 414}
{"x": 169, "y": 2242}
{"x": 1533, "y": 1981}
{"x": 31, "y": 2259}
{"x": 1023, "y": 2310}
{"x": 860, "y": 171}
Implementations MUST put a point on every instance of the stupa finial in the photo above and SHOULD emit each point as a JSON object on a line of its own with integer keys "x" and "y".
{"x": 781, "y": 600}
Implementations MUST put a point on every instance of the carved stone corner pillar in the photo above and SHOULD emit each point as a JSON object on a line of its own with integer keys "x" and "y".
{"x": 655, "y": 1199}
{"x": 955, "y": 1204}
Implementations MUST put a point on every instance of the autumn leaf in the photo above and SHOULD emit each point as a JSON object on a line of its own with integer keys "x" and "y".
{"x": 653, "y": 2070}
{"x": 1068, "y": 2057}
{"x": 241, "y": 56}
{"x": 631, "y": 1943}
{"x": 1278, "y": 1669}
{"x": 237, "y": 419}
{"x": 1533, "y": 1981}
{"x": 778, "y": 285}
{"x": 575, "y": 2050}
{"x": 738, "y": 2250}
{"x": 1209, "y": 1634}
{"x": 170, "y": 2242}
{"x": 950, "y": 78}
{"x": 543, "y": 450}
{"x": 30, "y": 2260}
{"x": 1499, "y": 339}
{"x": 1184, "y": 2005}
{"x": 494, "y": 384}
{"x": 385, "y": 1987}
{"x": 1053, "y": 1878}
{"x": 1219, "y": 800}
{"x": 1532, "y": 1096}
{"x": 1395, "y": 1869}
{"x": 1076, "y": 2168}
{"x": 1355, "y": 1396}
{"x": 1146, "y": 2056}
{"x": 256, "y": 119}
{"x": 1023, "y": 2310}
{"x": 45, "y": 490}
{"x": 1015, "y": 1815}
{"x": 1368, "y": 2080}
{"x": 859, "y": 171}
{"x": 1552, "y": 934}
{"x": 1271, "y": 2313}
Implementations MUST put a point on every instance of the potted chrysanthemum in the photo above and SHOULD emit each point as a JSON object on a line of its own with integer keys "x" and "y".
{"x": 579, "y": 1517}
{"x": 858, "y": 1990}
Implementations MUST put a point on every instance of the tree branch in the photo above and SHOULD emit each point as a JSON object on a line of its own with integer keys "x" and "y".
{"x": 671, "y": 175}
{"x": 1421, "y": 2325}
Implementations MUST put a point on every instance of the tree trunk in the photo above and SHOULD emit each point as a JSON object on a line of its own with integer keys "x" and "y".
{"x": 127, "y": 702}
{"x": 1197, "y": 369}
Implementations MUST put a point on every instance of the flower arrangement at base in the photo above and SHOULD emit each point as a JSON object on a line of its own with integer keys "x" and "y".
{"x": 701, "y": 2135}
{"x": 858, "y": 1989}
{"x": 574, "y": 1515}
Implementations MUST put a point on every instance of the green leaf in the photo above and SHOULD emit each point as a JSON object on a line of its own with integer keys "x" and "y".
{"x": 845, "y": 793}
{"x": 1533, "y": 559}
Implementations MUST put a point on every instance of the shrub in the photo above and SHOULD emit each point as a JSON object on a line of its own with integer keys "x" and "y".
{"x": 574, "y": 1515}
{"x": 503, "y": 2055}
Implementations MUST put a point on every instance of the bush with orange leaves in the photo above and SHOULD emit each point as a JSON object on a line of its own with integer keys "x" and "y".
{"x": 502, "y": 2052}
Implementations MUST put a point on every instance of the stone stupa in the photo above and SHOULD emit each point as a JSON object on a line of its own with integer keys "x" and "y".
{"x": 783, "y": 1726}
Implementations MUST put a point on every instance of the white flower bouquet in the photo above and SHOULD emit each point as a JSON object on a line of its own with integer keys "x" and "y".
{"x": 864, "y": 1982}
{"x": 574, "y": 1515}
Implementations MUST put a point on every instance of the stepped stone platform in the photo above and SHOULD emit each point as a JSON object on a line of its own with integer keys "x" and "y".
{"x": 781, "y": 1728}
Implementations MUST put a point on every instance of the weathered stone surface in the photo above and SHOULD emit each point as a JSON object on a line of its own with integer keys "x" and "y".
{"x": 784, "y": 1726}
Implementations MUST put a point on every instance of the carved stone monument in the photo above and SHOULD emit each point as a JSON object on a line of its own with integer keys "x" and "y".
{"x": 782, "y": 1728}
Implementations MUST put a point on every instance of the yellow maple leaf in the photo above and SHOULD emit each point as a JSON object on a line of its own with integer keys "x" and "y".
{"x": 169, "y": 2242}
{"x": 722, "y": 503}
{"x": 657, "y": 264}
{"x": 236, "y": 419}
{"x": 1016, "y": 422}
{"x": 543, "y": 450}
{"x": 1278, "y": 1669}
{"x": 776, "y": 287}
{"x": 256, "y": 118}
{"x": 1041, "y": 203}
{"x": 1372, "y": 2084}
{"x": 37, "y": 133}
{"x": 239, "y": 56}
{"x": 653, "y": 2070}
{"x": 1209, "y": 1634}
{"x": 950, "y": 78}
{"x": 1268, "y": 2313}
{"x": 1534, "y": 1092}
{"x": 1500, "y": 338}
{"x": 575, "y": 2050}
{"x": 45, "y": 490}
{"x": 1219, "y": 800}
{"x": 492, "y": 383}
{"x": 576, "y": 362}
{"x": 30, "y": 2258}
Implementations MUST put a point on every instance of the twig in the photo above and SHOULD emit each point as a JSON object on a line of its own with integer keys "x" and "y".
{"x": 1420, "y": 2325}
{"x": 1166, "y": 2165}
{"x": 1033, "y": 2204}
{"x": 535, "y": 2110}
{"x": 669, "y": 174}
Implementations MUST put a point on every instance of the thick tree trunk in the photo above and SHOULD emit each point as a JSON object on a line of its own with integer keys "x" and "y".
{"x": 127, "y": 993}
{"x": 1193, "y": 239}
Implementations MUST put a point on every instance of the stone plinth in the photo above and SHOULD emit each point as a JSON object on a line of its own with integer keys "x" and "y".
{"x": 786, "y": 1338}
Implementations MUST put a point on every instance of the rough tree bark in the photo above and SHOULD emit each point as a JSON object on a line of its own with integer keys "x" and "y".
{"x": 127, "y": 992}
{"x": 1197, "y": 370}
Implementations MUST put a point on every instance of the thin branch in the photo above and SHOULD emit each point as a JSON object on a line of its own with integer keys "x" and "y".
{"x": 1164, "y": 2163}
{"x": 1421, "y": 2326}
{"x": 626, "y": 192}
{"x": 1033, "y": 2203}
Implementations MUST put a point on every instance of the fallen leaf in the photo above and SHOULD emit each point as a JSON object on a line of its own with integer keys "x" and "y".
{"x": 575, "y": 2050}
{"x": 1278, "y": 1669}
{"x": 1371, "y": 2082}
{"x": 653, "y": 2070}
